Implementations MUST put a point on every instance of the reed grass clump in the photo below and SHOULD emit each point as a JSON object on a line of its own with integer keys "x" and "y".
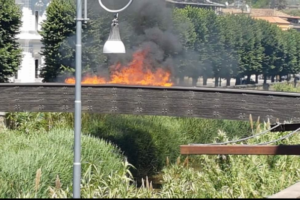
{"x": 30, "y": 163}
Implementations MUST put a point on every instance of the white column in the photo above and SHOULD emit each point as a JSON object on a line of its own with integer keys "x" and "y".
{"x": 28, "y": 20}
{"x": 26, "y": 74}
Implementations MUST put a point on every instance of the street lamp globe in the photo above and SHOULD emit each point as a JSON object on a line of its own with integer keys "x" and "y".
{"x": 114, "y": 43}
{"x": 39, "y": 5}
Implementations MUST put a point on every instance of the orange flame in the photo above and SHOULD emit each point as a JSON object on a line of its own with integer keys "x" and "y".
{"x": 137, "y": 72}
{"x": 87, "y": 80}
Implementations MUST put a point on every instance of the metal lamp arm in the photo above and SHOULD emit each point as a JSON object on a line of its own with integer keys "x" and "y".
{"x": 114, "y": 11}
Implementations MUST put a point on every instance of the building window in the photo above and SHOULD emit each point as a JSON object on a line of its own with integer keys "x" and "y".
{"x": 36, "y": 20}
{"x": 16, "y": 75}
{"x": 36, "y": 68}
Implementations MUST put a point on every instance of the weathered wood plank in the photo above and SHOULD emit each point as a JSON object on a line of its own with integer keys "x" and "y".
{"x": 213, "y": 103}
{"x": 240, "y": 150}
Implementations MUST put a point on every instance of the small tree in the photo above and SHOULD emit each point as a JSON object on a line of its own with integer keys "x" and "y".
{"x": 279, "y": 4}
{"x": 59, "y": 38}
{"x": 57, "y": 32}
{"x": 10, "y": 53}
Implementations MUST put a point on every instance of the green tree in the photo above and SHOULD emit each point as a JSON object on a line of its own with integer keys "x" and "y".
{"x": 292, "y": 12}
{"x": 56, "y": 35}
{"x": 59, "y": 39}
{"x": 10, "y": 53}
{"x": 279, "y": 4}
{"x": 280, "y": 52}
{"x": 187, "y": 62}
{"x": 291, "y": 57}
{"x": 199, "y": 17}
{"x": 250, "y": 48}
{"x": 272, "y": 49}
{"x": 215, "y": 45}
{"x": 297, "y": 45}
{"x": 229, "y": 55}
{"x": 260, "y": 3}
{"x": 258, "y": 53}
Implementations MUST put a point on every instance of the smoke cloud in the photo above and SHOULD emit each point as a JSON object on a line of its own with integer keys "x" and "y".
{"x": 145, "y": 25}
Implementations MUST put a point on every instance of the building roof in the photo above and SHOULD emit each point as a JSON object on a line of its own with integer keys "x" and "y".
{"x": 254, "y": 12}
{"x": 262, "y": 12}
{"x": 257, "y": 12}
{"x": 268, "y": 12}
{"x": 233, "y": 11}
{"x": 197, "y": 3}
{"x": 274, "y": 20}
{"x": 271, "y": 13}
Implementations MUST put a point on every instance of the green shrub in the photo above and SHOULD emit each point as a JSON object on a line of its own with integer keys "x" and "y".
{"x": 145, "y": 140}
{"x": 285, "y": 87}
{"x": 238, "y": 176}
{"x": 23, "y": 154}
{"x": 27, "y": 122}
{"x": 148, "y": 140}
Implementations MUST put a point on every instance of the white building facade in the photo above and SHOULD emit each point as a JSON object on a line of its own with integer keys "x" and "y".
{"x": 33, "y": 14}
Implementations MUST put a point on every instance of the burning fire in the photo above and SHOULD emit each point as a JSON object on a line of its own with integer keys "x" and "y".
{"x": 137, "y": 72}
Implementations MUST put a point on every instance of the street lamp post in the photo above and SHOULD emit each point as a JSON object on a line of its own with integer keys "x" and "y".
{"x": 113, "y": 45}
{"x": 77, "y": 122}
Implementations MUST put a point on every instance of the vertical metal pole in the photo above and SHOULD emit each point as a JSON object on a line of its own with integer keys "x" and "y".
{"x": 77, "y": 122}
{"x": 85, "y": 10}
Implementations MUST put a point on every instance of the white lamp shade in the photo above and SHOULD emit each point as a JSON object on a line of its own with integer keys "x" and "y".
{"x": 39, "y": 5}
{"x": 114, "y": 46}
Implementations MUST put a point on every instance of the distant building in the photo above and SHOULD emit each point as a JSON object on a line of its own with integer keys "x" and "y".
{"x": 282, "y": 20}
{"x": 33, "y": 13}
{"x": 210, "y": 4}
{"x": 281, "y": 23}
{"x": 236, "y": 8}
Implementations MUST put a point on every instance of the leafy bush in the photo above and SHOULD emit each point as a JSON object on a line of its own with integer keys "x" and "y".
{"x": 23, "y": 154}
{"x": 145, "y": 140}
{"x": 285, "y": 87}
{"x": 210, "y": 177}
{"x": 27, "y": 122}
{"x": 148, "y": 140}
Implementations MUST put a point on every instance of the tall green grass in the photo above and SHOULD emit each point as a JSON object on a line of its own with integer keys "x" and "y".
{"x": 286, "y": 87}
{"x": 148, "y": 140}
{"x": 23, "y": 154}
{"x": 145, "y": 140}
{"x": 211, "y": 177}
